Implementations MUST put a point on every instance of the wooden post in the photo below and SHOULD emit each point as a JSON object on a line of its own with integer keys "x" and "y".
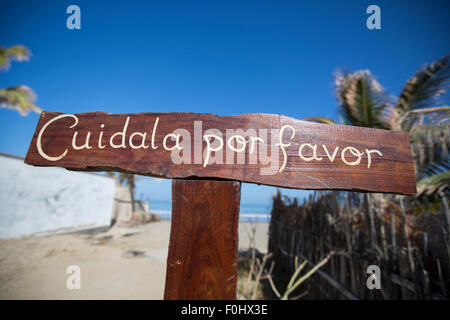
{"x": 202, "y": 260}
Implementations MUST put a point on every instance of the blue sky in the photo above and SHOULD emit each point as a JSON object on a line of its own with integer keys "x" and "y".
{"x": 224, "y": 57}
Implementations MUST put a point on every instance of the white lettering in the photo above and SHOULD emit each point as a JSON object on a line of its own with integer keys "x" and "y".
{"x": 41, "y": 132}
{"x": 282, "y": 145}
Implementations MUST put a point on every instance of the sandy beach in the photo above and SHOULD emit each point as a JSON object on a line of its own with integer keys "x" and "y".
{"x": 130, "y": 264}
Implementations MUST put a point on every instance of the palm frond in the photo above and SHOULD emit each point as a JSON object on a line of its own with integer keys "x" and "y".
{"x": 432, "y": 185}
{"x": 361, "y": 98}
{"x": 20, "y": 98}
{"x": 325, "y": 120}
{"x": 422, "y": 90}
{"x": 17, "y": 53}
{"x": 430, "y": 141}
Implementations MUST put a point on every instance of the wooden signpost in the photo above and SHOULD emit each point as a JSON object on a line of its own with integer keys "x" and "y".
{"x": 208, "y": 156}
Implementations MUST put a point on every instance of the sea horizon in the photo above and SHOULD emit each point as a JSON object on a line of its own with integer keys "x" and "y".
{"x": 247, "y": 212}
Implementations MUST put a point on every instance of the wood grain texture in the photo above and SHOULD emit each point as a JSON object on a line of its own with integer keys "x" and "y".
{"x": 202, "y": 260}
{"x": 392, "y": 172}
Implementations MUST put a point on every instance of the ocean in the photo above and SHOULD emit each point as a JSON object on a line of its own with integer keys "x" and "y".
{"x": 248, "y": 212}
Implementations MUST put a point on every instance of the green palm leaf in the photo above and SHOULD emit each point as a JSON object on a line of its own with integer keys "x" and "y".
{"x": 362, "y": 100}
{"x": 422, "y": 90}
{"x": 430, "y": 141}
{"x": 20, "y": 98}
{"x": 432, "y": 185}
{"x": 325, "y": 120}
{"x": 17, "y": 52}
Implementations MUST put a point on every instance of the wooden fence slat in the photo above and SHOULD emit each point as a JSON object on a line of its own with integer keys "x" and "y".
{"x": 202, "y": 260}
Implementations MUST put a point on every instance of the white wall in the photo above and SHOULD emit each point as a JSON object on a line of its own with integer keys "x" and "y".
{"x": 49, "y": 199}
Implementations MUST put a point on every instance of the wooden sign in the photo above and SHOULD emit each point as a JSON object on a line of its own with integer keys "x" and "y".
{"x": 257, "y": 148}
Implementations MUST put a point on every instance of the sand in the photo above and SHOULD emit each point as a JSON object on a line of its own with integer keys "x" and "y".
{"x": 35, "y": 267}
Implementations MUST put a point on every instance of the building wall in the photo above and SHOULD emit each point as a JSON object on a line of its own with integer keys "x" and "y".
{"x": 36, "y": 200}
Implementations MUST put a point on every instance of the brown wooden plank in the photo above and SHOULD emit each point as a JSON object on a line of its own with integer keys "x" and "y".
{"x": 202, "y": 260}
{"x": 389, "y": 169}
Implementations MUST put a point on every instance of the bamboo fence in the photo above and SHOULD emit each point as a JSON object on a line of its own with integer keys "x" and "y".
{"x": 411, "y": 248}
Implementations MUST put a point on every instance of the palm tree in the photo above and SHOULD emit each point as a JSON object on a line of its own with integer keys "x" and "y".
{"x": 20, "y": 98}
{"x": 126, "y": 179}
{"x": 418, "y": 110}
